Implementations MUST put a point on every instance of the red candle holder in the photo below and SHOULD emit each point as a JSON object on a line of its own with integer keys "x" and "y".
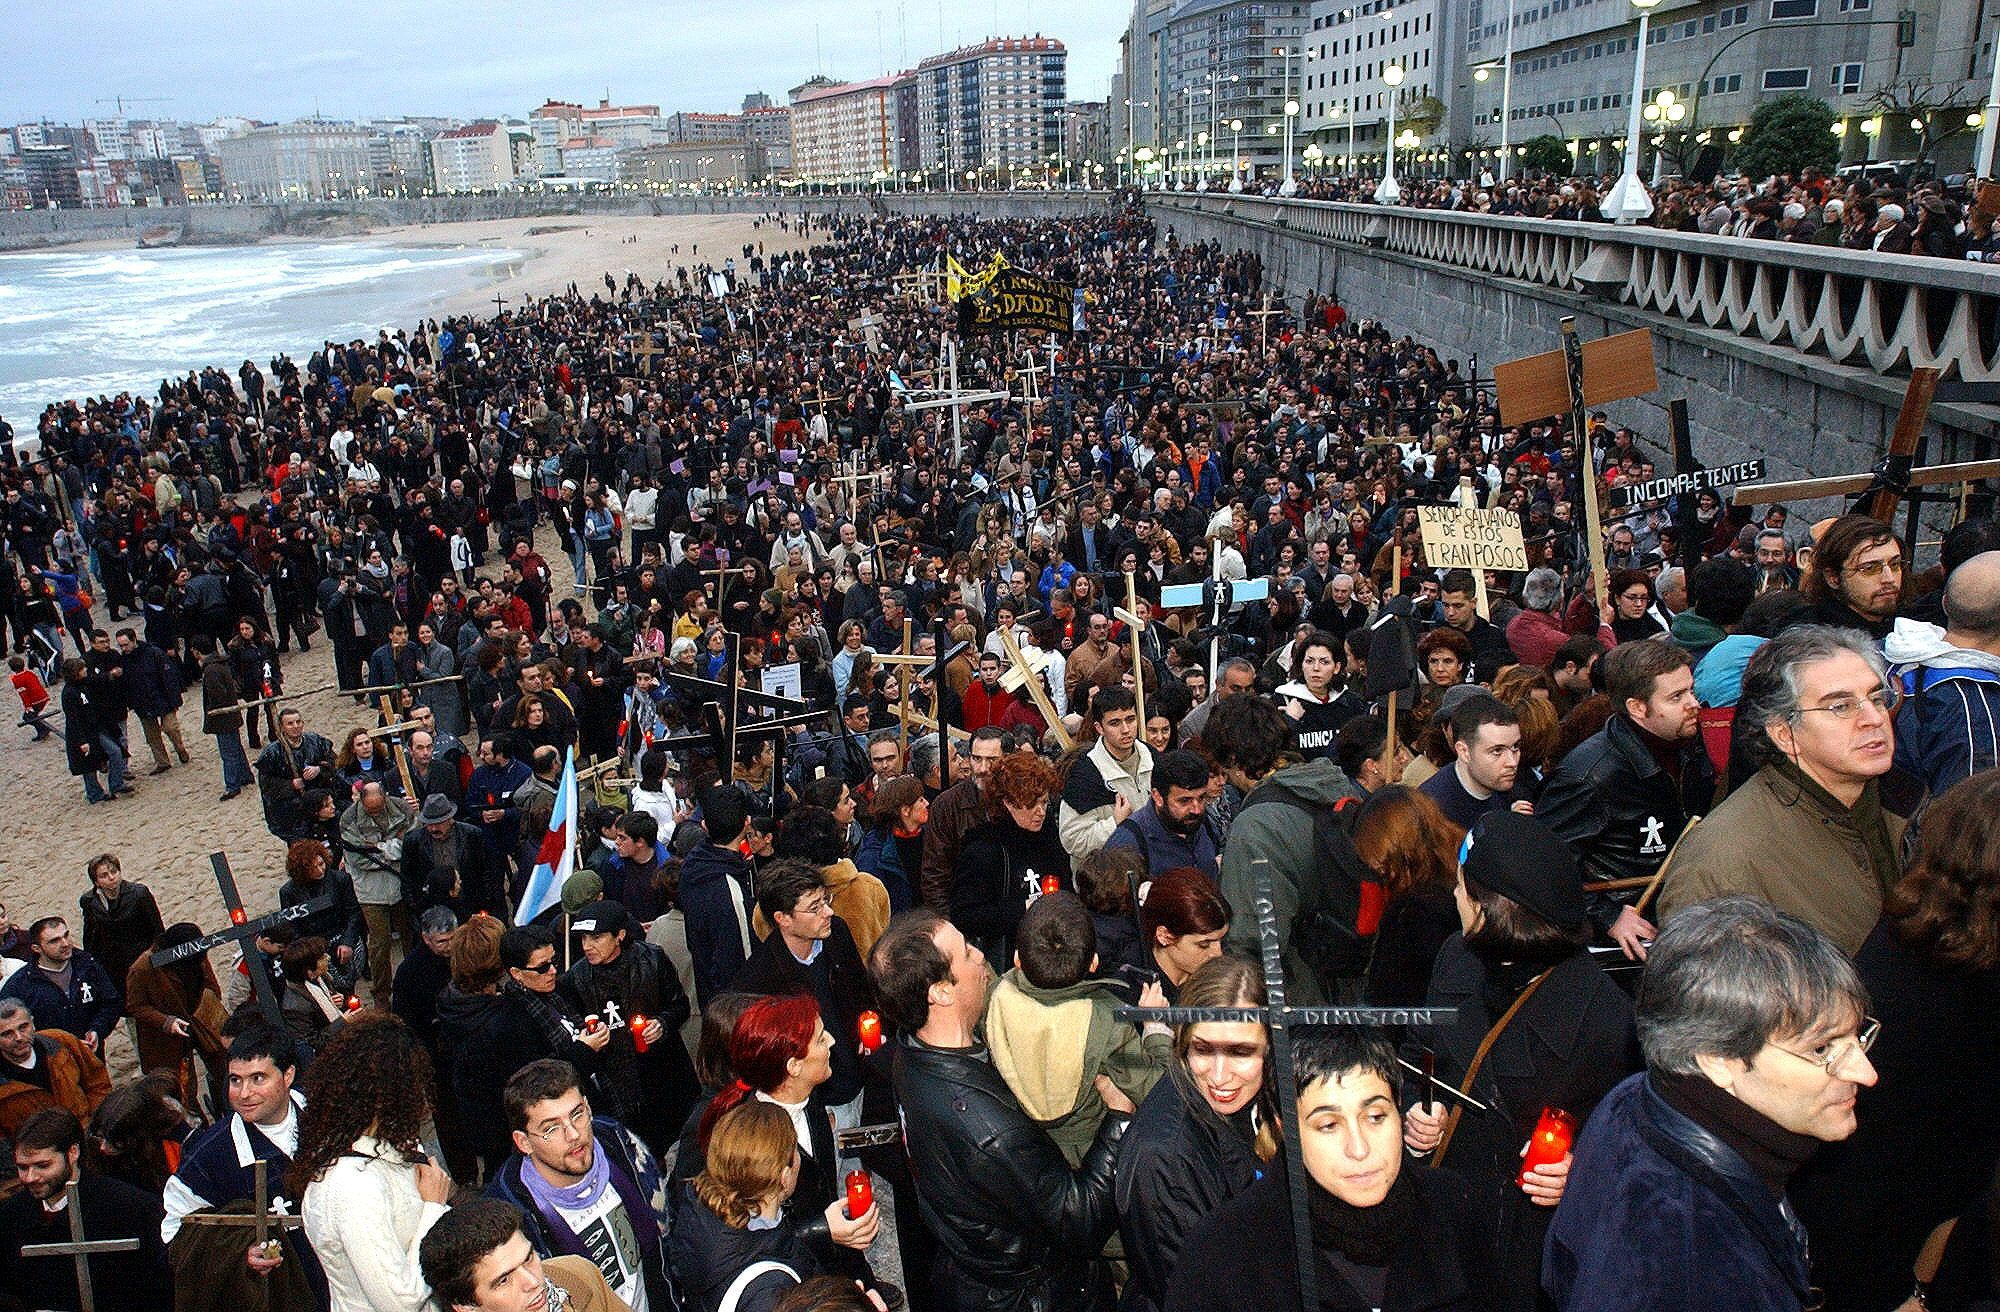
{"x": 638, "y": 1027}
{"x": 870, "y": 1028}
{"x": 1554, "y": 1132}
{"x": 1050, "y": 885}
{"x": 860, "y": 1194}
{"x": 592, "y": 1023}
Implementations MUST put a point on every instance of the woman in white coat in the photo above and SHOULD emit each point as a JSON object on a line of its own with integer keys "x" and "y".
{"x": 368, "y": 1191}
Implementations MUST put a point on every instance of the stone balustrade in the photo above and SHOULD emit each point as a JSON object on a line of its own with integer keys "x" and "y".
{"x": 1885, "y": 313}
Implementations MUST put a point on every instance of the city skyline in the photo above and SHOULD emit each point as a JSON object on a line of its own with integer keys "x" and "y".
{"x": 456, "y": 61}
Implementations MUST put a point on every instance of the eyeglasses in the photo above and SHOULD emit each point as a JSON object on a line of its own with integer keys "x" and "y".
{"x": 546, "y": 968}
{"x": 1835, "y": 1052}
{"x": 577, "y": 1122}
{"x": 1844, "y": 708}
{"x": 1868, "y": 569}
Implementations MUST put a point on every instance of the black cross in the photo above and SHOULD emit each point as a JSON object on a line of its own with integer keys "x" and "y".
{"x": 243, "y": 931}
{"x": 1280, "y": 1018}
{"x": 499, "y": 304}
{"x": 726, "y": 722}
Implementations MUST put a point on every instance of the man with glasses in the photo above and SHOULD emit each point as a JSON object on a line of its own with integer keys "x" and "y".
{"x": 1756, "y": 1036}
{"x": 1818, "y": 829}
{"x": 1855, "y": 577}
{"x": 586, "y": 1185}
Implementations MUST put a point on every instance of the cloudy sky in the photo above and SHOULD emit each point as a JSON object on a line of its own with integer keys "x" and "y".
{"x": 355, "y": 58}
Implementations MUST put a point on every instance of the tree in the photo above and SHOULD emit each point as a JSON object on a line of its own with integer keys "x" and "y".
{"x": 1548, "y": 154}
{"x": 1788, "y": 133}
{"x": 1932, "y": 114}
{"x": 1421, "y": 115}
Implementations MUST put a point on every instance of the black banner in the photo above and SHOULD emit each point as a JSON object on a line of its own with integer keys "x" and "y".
{"x": 1014, "y": 298}
{"x": 1680, "y": 485}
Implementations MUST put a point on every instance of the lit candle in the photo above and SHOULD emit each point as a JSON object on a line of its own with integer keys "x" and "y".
{"x": 870, "y": 1027}
{"x": 1550, "y": 1142}
{"x": 638, "y": 1024}
{"x": 1050, "y": 884}
{"x": 860, "y": 1194}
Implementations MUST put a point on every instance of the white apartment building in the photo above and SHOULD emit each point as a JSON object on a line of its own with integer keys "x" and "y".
{"x": 995, "y": 105}
{"x": 472, "y": 158}
{"x": 846, "y": 131}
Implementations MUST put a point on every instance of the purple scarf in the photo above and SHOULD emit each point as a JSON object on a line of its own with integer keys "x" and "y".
{"x": 550, "y": 1199}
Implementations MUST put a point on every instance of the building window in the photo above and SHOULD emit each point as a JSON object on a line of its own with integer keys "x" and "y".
{"x": 1854, "y": 6}
{"x": 1794, "y": 8}
{"x": 1786, "y": 79}
{"x": 1847, "y": 78}
{"x": 1723, "y": 86}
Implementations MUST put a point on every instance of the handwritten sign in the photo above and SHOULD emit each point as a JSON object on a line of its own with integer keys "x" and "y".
{"x": 1680, "y": 485}
{"x": 1471, "y": 539}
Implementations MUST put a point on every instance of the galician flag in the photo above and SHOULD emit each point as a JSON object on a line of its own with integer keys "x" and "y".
{"x": 557, "y": 857}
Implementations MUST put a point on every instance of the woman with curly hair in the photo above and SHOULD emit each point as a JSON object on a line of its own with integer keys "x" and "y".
{"x": 367, "y": 1190}
{"x": 1929, "y": 1134}
{"x": 311, "y": 872}
{"x": 1001, "y": 860}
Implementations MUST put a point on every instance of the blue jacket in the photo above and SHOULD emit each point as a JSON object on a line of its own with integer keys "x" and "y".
{"x": 1661, "y": 1216}
{"x": 1162, "y": 849}
{"x": 640, "y": 1186}
{"x": 92, "y": 1005}
{"x": 715, "y": 884}
{"x": 1949, "y": 724}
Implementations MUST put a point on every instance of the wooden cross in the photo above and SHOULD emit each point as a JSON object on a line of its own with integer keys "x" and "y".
{"x": 1129, "y": 613}
{"x": 1467, "y": 500}
{"x": 646, "y": 350}
{"x": 725, "y": 707}
{"x": 260, "y": 1218}
{"x": 1263, "y": 318}
{"x": 499, "y": 304}
{"x": 1896, "y": 476}
{"x": 79, "y": 1249}
{"x": 1565, "y": 382}
{"x": 1026, "y": 673}
{"x": 869, "y": 326}
{"x": 1281, "y": 1018}
{"x": 243, "y": 932}
{"x": 1032, "y": 372}
{"x": 399, "y": 753}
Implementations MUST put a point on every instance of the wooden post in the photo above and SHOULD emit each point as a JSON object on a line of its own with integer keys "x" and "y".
{"x": 1683, "y": 440}
{"x": 79, "y": 1248}
{"x": 1395, "y": 590}
{"x": 1593, "y": 527}
{"x": 1137, "y": 628}
{"x": 1467, "y": 500}
{"x": 401, "y": 758}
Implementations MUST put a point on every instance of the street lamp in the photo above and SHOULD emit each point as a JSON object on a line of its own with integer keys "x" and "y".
{"x": 1313, "y": 155}
{"x": 1387, "y": 192}
{"x": 1235, "y": 154}
{"x": 1484, "y": 71}
{"x": 1989, "y": 121}
{"x": 1664, "y": 109}
{"x": 1628, "y": 201}
{"x": 1290, "y": 185}
{"x": 1131, "y": 144}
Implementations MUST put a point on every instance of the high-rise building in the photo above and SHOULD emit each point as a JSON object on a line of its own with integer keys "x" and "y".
{"x": 770, "y": 126}
{"x": 557, "y": 121}
{"x": 1192, "y": 66}
{"x": 996, "y": 105}
{"x": 1347, "y": 49}
{"x": 846, "y": 131}
{"x": 476, "y": 157}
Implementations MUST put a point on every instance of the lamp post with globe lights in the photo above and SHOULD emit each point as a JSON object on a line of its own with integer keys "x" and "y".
{"x": 1628, "y": 201}
{"x": 1665, "y": 109}
{"x": 1387, "y": 192}
{"x": 1236, "y": 155}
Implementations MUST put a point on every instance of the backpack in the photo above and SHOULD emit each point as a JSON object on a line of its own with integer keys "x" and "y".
{"x": 1334, "y": 928}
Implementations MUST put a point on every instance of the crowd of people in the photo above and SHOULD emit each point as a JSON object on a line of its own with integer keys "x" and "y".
{"x": 1701, "y": 877}
{"x": 1863, "y": 212}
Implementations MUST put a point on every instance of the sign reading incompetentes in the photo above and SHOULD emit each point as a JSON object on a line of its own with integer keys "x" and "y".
{"x": 1680, "y": 485}
{"x": 1471, "y": 539}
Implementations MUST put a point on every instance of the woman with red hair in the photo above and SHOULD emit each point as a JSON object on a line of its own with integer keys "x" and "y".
{"x": 782, "y": 1054}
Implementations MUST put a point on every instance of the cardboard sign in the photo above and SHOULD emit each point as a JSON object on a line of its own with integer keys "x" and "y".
{"x": 784, "y": 681}
{"x": 1471, "y": 539}
{"x": 1680, "y": 485}
{"x": 1614, "y": 368}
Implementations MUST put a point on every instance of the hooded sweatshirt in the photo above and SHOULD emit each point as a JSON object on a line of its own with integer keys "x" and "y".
{"x": 1275, "y": 832}
{"x": 1949, "y": 725}
{"x": 1718, "y": 676}
{"x": 1050, "y": 1045}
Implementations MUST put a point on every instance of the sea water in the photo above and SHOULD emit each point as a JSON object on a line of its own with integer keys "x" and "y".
{"x": 85, "y": 323}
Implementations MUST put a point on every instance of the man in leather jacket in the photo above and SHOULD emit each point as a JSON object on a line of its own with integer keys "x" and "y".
{"x": 1622, "y": 797}
{"x": 1016, "y": 1227}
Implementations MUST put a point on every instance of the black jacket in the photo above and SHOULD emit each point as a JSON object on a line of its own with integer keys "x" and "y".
{"x": 842, "y": 990}
{"x": 989, "y": 886}
{"x": 483, "y": 1038}
{"x": 428, "y": 875}
{"x": 121, "y": 933}
{"x": 340, "y": 924}
{"x": 655, "y": 1087}
{"x": 1243, "y": 1258}
{"x": 1178, "y": 1163}
{"x": 1619, "y": 811}
{"x": 1016, "y": 1227}
{"x": 1567, "y": 1047}
{"x": 112, "y": 1209}
{"x": 707, "y": 1256}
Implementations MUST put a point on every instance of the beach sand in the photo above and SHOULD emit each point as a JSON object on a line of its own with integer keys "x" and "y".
{"x": 581, "y": 249}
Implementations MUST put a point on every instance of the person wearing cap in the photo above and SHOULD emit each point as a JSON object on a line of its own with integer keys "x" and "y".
{"x": 622, "y": 977}
{"x": 445, "y": 863}
{"x": 1553, "y": 1028}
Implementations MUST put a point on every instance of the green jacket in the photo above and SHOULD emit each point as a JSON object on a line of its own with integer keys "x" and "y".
{"x": 1050, "y": 1045}
{"x": 1274, "y": 832}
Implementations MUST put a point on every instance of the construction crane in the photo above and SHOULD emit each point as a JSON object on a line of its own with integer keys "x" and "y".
{"x": 122, "y": 101}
